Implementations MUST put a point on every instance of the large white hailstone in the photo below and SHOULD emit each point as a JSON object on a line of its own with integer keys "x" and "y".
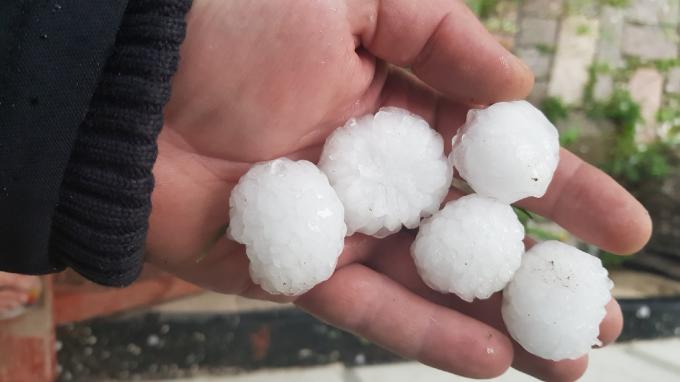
{"x": 291, "y": 222}
{"x": 389, "y": 170}
{"x": 508, "y": 151}
{"x": 555, "y": 303}
{"x": 471, "y": 248}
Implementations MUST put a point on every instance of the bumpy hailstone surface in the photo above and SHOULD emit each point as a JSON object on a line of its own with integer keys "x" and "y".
{"x": 508, "y": 151}
{"x": 471, "y": 248}
{"x": 389, "y": 170}
{"x": 555, "y": 303}
{"x": 291, "y": 222}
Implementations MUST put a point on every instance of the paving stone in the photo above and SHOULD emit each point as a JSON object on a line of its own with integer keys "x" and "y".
{"x": 653, "y": 12}
{"x": 595, "y": 138}
{"x": 604, "y": 87}
{"x": 538, "y": 93}
{"x": 331, "y": 373}
{"x": 646, "y": 88}
{"x": 542, "y": 8}
{"x": 616, "y": 363}
{"x": 575, "y": 53}
{"x": 415, "y": 372}
{"x": 588, "y": 8}
{"x": 673, "y": 81}
{"x": 634, "y": 362}
{"x": 650, "y": 42}
{"x": 538, "y": 61}
{"x": 611, "y": 36}
{"x": 536, "y": 31}
{"x": 664, "y": 353}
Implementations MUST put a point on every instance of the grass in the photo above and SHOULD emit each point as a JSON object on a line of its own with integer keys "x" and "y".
{"x": 554, "y": 109}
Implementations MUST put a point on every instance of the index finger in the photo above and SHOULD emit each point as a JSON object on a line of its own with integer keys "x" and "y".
{"x": 445, "y": 45}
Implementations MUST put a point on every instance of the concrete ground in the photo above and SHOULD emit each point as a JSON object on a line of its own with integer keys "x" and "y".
{"x": 641, "y": 361}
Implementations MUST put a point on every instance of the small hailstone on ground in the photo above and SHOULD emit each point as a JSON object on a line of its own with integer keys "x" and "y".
{"x": 555, "y": 303}
{"x": 471, "y": 248}
{"x": 291, "y": 222}
{"x": 508, "y": 151}
{"x": 389, "y": 170}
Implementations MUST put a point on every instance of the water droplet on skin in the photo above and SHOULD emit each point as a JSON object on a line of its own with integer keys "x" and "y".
{"x": 490, "y": 350}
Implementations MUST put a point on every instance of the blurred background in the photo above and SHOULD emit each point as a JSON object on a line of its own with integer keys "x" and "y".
{"x": 607, "y": 74}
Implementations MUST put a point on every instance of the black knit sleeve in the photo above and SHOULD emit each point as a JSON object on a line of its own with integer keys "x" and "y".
{"x": 76, "y": 160}
{"x": 100, "y": 225}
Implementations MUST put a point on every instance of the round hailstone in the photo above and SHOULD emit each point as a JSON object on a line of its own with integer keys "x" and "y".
{"x": 555, "y": 303}
{"x": 471, "y": 248}
{"x": 389, "y": 170}
{"x": 508, "y": 151}
{"x": 291, "y": 222}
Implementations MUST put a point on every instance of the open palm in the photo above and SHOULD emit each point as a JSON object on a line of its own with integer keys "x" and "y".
{"x": 264, "y": 79}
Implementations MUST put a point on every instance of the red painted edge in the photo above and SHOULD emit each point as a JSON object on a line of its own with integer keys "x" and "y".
{"x": 86, "y": 300}
{"x": 27, "y": 352}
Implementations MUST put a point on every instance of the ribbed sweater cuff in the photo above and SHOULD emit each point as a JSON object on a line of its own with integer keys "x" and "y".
{"x": 101, "y": 223}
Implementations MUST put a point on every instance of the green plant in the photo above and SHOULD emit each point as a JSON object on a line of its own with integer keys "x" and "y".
{"x": 544, "y": 234}
{"x": 483, "y": 8}
{"x": 582, "y": 29}
{"x": 545, "y": 49}
{"x": 569, "y": 136}
{"x": 610, "y": 260}
{"x": 667, "y": 64}
{"x": 629, "y": 162}
{"x": 555, "y": 109}
{"x": 615, "y": 3}
{"x": 523, "y": 215}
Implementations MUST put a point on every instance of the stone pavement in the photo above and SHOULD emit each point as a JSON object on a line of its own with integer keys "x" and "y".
{"x": 632, "y": 44}
{"x": 656, "y": 361}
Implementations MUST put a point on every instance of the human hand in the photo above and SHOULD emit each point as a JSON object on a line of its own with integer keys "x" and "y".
{"x": 261, "y": 80}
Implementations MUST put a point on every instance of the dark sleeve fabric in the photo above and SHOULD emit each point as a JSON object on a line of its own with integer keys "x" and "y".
{"x": 78, "y": 125}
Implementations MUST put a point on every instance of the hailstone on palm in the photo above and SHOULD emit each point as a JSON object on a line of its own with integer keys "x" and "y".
{"x": 291, "y": 222}
{"x": 555, "y": 303}
{"x": 388, "y": 169}
{"x": 471, "y": 248}
{"x": 507, "y": 151}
